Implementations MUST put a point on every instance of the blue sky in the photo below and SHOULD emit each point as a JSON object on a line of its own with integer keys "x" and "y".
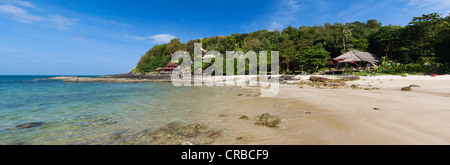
{"x": 98, "y": 37}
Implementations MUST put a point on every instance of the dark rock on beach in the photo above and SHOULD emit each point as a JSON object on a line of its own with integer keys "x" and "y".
{"x": 268, "y": 120}
{"x": 406, "y": 88}
{"x": 324, "y": 79}
{"x": 243, "y": 117}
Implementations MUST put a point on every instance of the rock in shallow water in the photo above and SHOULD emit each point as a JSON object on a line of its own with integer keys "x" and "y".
{"x": 27, "y": 125}
{"x": 179, "y": 134}
{"x": 174, "y": 133}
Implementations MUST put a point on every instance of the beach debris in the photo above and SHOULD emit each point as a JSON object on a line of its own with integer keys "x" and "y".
{"x": 404, "y": 75}
{"x": 414, "y": 85}
{"x": 406, "y": 88}
{"x": 240, "y": 138}
{"x": 377, "y": 109}
{"x": 222, "y": 115}
{"x": 433, "y": 75}
{"x": 243, "y": 117}
{"x": 27, "y": 125}
{"x": 307, "y": 113}
{"x": 268, "y": 120}
{"x": 240, "y": 94}
{"x": 354, "y": 86}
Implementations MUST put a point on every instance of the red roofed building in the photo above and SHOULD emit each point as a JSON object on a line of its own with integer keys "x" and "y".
{"x": 168, "y": 68}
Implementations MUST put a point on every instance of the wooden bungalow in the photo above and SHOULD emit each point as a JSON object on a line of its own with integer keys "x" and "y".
{"x": 167, "y": 69}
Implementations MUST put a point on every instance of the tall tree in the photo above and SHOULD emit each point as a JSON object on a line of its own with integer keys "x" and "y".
{"x": 174, "y": 45}
{"x": 288, "y": 52}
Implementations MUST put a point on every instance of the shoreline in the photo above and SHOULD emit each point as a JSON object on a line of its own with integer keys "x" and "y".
{"x": 371, "y": 110}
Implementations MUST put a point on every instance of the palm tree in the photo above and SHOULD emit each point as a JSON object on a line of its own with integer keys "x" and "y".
{"x": 346, "y": 35}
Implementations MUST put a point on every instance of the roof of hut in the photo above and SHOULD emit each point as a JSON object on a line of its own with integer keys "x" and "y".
{"x": 356, "y": 56}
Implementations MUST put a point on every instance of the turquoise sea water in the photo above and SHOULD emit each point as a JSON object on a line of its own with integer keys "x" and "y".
{"x": 75, "y": 113}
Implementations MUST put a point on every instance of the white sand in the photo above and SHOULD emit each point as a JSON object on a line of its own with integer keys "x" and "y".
{"x": 347, "y": 116}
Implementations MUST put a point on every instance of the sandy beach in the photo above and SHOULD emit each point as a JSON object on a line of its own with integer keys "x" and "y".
{"x": 371, "y": 110}
{"x": 383, "y": 115}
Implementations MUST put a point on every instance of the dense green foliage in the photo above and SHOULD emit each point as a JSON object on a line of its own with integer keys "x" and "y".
{"x": 421, "y": 46}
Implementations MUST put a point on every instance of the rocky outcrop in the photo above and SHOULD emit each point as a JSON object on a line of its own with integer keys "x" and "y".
{"x": 121, "y": 78}
{"x": 268, "y": 120}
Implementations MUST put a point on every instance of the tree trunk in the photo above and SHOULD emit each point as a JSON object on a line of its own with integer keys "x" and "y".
{"x": 287, "y": 67}
{"x": 343, "y": 41}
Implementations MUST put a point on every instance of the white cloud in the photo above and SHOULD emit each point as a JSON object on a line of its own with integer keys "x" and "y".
{"x": 108, "y": 23}
{"x": 21, "y": 15}
{"x": 293, "y": 4}
{"x": 162, "y": 38}
{"x": 62, "y": 22}
{"x": 431, "y": 5}
{"x": 284, "y": 13}
{"x": 20, "y": 3}
{"x": 157, "y": 39}
{"x": 25, "y": 4}
{"x": 77, "y": 38}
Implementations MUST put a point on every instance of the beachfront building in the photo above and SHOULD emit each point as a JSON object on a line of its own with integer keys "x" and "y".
{"x": 167, "y": 69}
{"x": 360, "y": 60}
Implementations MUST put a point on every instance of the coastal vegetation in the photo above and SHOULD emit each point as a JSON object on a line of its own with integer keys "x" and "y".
{"x": 422, "y": 46}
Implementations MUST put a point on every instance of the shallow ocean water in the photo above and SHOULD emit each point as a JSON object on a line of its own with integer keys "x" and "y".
{"x": 77, "y": 113}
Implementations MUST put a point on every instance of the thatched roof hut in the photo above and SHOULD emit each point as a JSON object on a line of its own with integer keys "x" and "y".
{"x": 358, "y": 56}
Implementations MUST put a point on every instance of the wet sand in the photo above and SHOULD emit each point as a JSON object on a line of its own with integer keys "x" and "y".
{"x": 310, "y": 115}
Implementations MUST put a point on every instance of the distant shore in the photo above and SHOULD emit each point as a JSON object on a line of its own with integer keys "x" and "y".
{"x": 121, "y": 78}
